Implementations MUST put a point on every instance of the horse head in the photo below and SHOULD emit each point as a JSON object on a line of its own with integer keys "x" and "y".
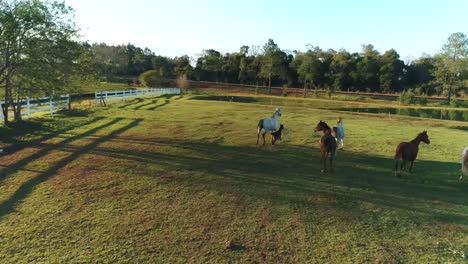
{"x": 277, "y": 112}
{"x": 424, "y": 137}
{"x": 321, "y": 126}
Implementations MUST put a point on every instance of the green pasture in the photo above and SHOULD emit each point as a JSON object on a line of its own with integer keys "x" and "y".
{"x": 177, "y": 179}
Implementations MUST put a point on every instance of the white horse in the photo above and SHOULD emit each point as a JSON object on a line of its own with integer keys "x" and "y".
{"x": 339, "y": 133}
{"x": 268, "y": 125}
{"x": 464, "y": 163}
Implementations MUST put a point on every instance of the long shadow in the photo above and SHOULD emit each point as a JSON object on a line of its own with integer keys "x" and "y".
{"x": 166, "y": 102}
{"x": 132, "y": 102}
{"x": 32, "y": 128}
{"x": 23, "y": 162}
{"x": 294, "y": 172}
{"x": 143, "y": 105}
{"x": 26, "y": 188}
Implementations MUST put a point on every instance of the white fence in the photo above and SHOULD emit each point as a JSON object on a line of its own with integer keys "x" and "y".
{"x": 30, "y": 106}
{"x": 102, "y": 98}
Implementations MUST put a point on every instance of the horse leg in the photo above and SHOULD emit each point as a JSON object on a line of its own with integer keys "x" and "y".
{"x": 263, "y": 135}
{"x": 332, "y": 156}
{"x": 322, "y": 161}
{"x": 325, "y": 157}
{"x": 397, "y": 171}
{"x": 402, "y": 165}
{"x": 411, "y": 166}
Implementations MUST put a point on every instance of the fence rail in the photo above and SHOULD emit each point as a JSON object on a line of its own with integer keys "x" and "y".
{"x": 30, "y": 106}
{"x": 102, "y": 98}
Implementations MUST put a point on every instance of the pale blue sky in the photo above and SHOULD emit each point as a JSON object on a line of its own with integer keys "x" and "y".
{"x": 178, "y": 27}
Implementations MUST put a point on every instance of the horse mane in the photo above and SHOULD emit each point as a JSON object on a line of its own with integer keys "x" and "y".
{"x": 326, "y": 126}
{"x": 419, "y": 136}
{"x": 276, "y": 111}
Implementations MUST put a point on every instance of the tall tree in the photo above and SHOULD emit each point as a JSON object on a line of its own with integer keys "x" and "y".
{"x": 273, "y": 63}
{"x": 451, "y": 66}
{"x": 368, "y": 68}
{"x": 340, "y": 69}
{"x": 391, "y": 71}
{"x": 33, "y": 33}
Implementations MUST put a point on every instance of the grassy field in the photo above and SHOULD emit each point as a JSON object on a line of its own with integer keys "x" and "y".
{"x": 176, "y": 180}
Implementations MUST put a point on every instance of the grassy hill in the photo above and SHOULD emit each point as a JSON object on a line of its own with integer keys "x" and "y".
{"x": 175, "y": 180}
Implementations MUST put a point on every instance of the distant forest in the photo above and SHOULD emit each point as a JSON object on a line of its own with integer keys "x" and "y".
{"x": 445, "y": 73}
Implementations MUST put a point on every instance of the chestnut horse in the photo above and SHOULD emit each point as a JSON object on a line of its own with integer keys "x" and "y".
{"x": 327, "y": 145}
{"x": 408, "y": 151}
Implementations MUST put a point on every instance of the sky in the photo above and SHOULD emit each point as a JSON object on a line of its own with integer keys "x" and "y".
{"x": 178, "y": 27}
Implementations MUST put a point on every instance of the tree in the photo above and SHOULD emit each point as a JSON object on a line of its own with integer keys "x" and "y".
{"x": 308, "y": 69}
{"x": 273, "y": 63}
{"x": 209, "y": 66}
{"x": 391, "y": 71}
{"x": 182, "y": 67}
{"x": 341, "y": 68}
{"x": 367, "y": 69}
{"x": 451, "y": 65}
{"x": 36, "y": 44}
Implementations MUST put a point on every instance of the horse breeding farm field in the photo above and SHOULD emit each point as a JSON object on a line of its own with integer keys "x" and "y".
{"x": 179, "y": 179}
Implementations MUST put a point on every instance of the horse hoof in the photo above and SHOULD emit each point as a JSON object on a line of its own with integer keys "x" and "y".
{"x": 322, "y": 171}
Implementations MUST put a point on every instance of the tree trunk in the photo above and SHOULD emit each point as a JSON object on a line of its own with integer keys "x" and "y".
{"x": 305, "y": 88}
{"x": 449, "y": 94}
{"x": 16, "y": 109}
{"x": 269, "y": 83}
{"x": 7, "y": 98}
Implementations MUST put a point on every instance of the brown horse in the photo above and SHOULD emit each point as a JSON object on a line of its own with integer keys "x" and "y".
{"x": 327, "y": 145}
{"x": 408, "y": 151}
{"x": 275, "y": 136}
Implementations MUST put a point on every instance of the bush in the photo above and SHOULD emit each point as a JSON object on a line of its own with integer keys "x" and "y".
{"x": 423, "y": 100}
{"x": 458, "y": 103}
{"x": 151, "y": 78}
{"x": 407, "y": 97}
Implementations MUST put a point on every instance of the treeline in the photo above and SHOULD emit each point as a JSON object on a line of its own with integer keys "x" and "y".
{"x": 40, "y": 55}
{"x": 368, "y": 70}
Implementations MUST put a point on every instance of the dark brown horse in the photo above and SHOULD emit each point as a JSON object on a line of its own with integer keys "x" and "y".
{"x": 275, "y": 136}
{"x": 408, "y": 151}
{"x": 327, "y": 145}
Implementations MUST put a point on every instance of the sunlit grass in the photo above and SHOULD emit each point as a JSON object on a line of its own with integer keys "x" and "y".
{"x": 171, "y": 179}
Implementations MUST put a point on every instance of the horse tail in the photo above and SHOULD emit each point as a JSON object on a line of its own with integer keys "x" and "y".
{"x": 260, "y": 126}
{"x": 259, "y": 129}
{"x": 398, "y": 157}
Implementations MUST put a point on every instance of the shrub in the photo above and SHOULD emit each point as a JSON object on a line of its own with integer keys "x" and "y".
{"x": 407, "y": 97}
{"x": 151, "y": 78}
{"x": 422, "y": 100}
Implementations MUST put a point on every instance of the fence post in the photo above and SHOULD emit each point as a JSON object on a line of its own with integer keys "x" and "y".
{"x": 106, "y": 97}
{"x": 96, "y": 97}
{"x": 28, "y": 103}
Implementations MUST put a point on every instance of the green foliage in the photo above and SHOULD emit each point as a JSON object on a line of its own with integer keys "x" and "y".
{"x": 422, "y": 100}
{"x": 40, "y": 55}
{"x": 458, "y": 103}
{"x": 407, "y": 97}
{"x": 151, "y": 79}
